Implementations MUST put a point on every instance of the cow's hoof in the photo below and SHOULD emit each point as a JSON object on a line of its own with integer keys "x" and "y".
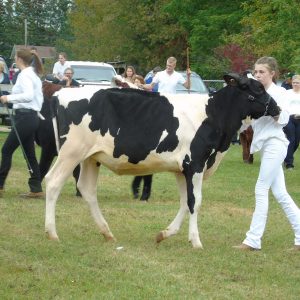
{"x": 78, "y": 194}
{"x": 135, "y": 195}
{"x": 160, "y": 237}
{"x": 196, "y": 244}
{"x": 52, "y": 237}
{"x": 110, "y": 238}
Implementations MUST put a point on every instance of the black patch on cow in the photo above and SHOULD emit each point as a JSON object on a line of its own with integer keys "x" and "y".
{"x": 73, "y": 114}
{"x": 136, "y": 119}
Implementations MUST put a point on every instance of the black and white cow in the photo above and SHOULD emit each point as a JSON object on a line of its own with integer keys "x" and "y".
{"x": 136, "y": 132}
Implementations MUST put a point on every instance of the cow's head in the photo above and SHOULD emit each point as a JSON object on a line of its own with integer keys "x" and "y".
{"x": 258, "y": 101}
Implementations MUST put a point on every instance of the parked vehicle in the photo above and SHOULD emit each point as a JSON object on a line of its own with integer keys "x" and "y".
{"x": 197, "y": 85}
{"x": 93, "y": 73}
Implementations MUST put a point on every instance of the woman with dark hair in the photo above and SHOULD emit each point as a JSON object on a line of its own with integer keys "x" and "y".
{"x": 27, "y": 100}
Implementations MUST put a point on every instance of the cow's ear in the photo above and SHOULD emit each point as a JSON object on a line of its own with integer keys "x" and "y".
{"x": 232, "y": 79}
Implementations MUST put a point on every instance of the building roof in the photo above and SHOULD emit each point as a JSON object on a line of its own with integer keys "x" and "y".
{"x": 43, "y": 51}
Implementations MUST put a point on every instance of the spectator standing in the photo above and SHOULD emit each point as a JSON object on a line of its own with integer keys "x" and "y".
{"x": 129, "y": 74}
{"x": 67, "y": 79}
{"x": 270, "y": 140}
{"x": 287, "y": 84}
{"x": 169, "y": 78}
{"x": 4, "y": 78}
{"x": 60, "y": 66}
{"x": 27, "y": 100}
{"x": 292, "y": 129}
{"x": 151, "y": 76}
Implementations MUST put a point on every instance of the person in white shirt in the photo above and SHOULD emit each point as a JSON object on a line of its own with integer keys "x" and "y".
{"x": 60, "y": 66}
{"x": 270, "y": 140}
{"x": 27, "y": 99}
{"x": 292, "y": 129}
{"x": 168, "y": 79}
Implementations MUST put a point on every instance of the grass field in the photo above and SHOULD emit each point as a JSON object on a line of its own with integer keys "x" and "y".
{"x": 83, "y": 266}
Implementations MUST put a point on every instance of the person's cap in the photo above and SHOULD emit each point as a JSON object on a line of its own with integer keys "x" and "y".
{"x": 157, "y": 69}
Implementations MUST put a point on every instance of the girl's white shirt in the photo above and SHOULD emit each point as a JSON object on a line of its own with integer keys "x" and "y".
{"x": 27, "y": 92}
{"x": 266, "y": 127}
{"x": 294, "y": 102}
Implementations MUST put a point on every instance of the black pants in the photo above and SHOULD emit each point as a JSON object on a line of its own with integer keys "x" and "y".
{"x": 292, "y": 131}
{"x": 26, "y": 122}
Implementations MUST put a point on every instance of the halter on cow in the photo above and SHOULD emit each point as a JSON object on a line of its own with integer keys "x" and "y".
{"x": 136, "y": 132}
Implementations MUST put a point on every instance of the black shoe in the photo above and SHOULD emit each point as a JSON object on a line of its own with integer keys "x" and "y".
{"x": 33, "y": 195}
{"x": 289, "y": 166}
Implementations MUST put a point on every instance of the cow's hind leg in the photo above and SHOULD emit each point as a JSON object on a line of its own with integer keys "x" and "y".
{"x": 55, "y": 180}
{"x": 87, "y": 184}
{"x": 174, "y": 227}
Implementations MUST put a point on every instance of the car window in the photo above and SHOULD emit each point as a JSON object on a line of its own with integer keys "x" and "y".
{"x": 93, "y": 73}
{"x": 197, "y": 85}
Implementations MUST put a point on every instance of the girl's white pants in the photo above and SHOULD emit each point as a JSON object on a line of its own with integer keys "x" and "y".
{"x": 271, "y": 176}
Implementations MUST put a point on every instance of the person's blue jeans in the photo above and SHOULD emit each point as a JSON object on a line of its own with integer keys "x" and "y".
{"x": 292, "y": 131}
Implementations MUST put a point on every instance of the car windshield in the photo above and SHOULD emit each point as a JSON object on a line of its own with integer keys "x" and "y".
{"x": 92, "y": 73}
{"x": 197, "y": 85}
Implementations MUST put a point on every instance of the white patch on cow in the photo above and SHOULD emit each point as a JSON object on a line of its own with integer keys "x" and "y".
{"x": 118, "y": 131}
{"x": 213, "y": 168}
{"x": 67, "y": 95}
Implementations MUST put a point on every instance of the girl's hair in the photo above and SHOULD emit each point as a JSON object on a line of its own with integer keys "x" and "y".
{"x": 140, "y": 78}
{"x": 271, "y": 64}
{"x": 1, "y": 67}
{"x": 31, "y": 58}
{"x": 133, "y": 71}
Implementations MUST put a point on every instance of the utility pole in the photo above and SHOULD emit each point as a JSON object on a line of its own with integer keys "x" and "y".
{"x": 25, "y": 25}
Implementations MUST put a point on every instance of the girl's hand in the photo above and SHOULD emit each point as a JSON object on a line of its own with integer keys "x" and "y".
{"x": 3, "y": 99}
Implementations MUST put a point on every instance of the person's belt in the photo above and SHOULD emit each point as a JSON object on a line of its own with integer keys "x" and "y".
{"x": 24, "y": 110}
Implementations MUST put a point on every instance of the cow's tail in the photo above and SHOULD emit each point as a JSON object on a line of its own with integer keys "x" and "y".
{"x": 53, "y": 108}
{"x": 55, "y": 128}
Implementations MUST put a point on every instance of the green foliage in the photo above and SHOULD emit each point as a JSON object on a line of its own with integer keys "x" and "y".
{"x": 145, "y": 33}
{"x": 270, "y": 28}
{"x": 46, "y": 22}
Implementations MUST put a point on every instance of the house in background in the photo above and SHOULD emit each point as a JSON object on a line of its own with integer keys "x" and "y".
{"x": 44, "y": 52}
{"x": 47, "y": 54}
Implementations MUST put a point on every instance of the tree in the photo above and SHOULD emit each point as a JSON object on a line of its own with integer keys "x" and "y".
{"x": 270, "y": 28}
{"x": 46, "y": 21}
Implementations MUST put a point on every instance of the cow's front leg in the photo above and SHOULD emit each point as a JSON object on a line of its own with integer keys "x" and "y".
{"x": 87, "y": 185}
{"x": 174, "y": 227}
{"x": 196, "y": 192}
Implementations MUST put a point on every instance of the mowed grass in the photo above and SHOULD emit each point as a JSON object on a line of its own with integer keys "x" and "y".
{"x": 83, "y": 266}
